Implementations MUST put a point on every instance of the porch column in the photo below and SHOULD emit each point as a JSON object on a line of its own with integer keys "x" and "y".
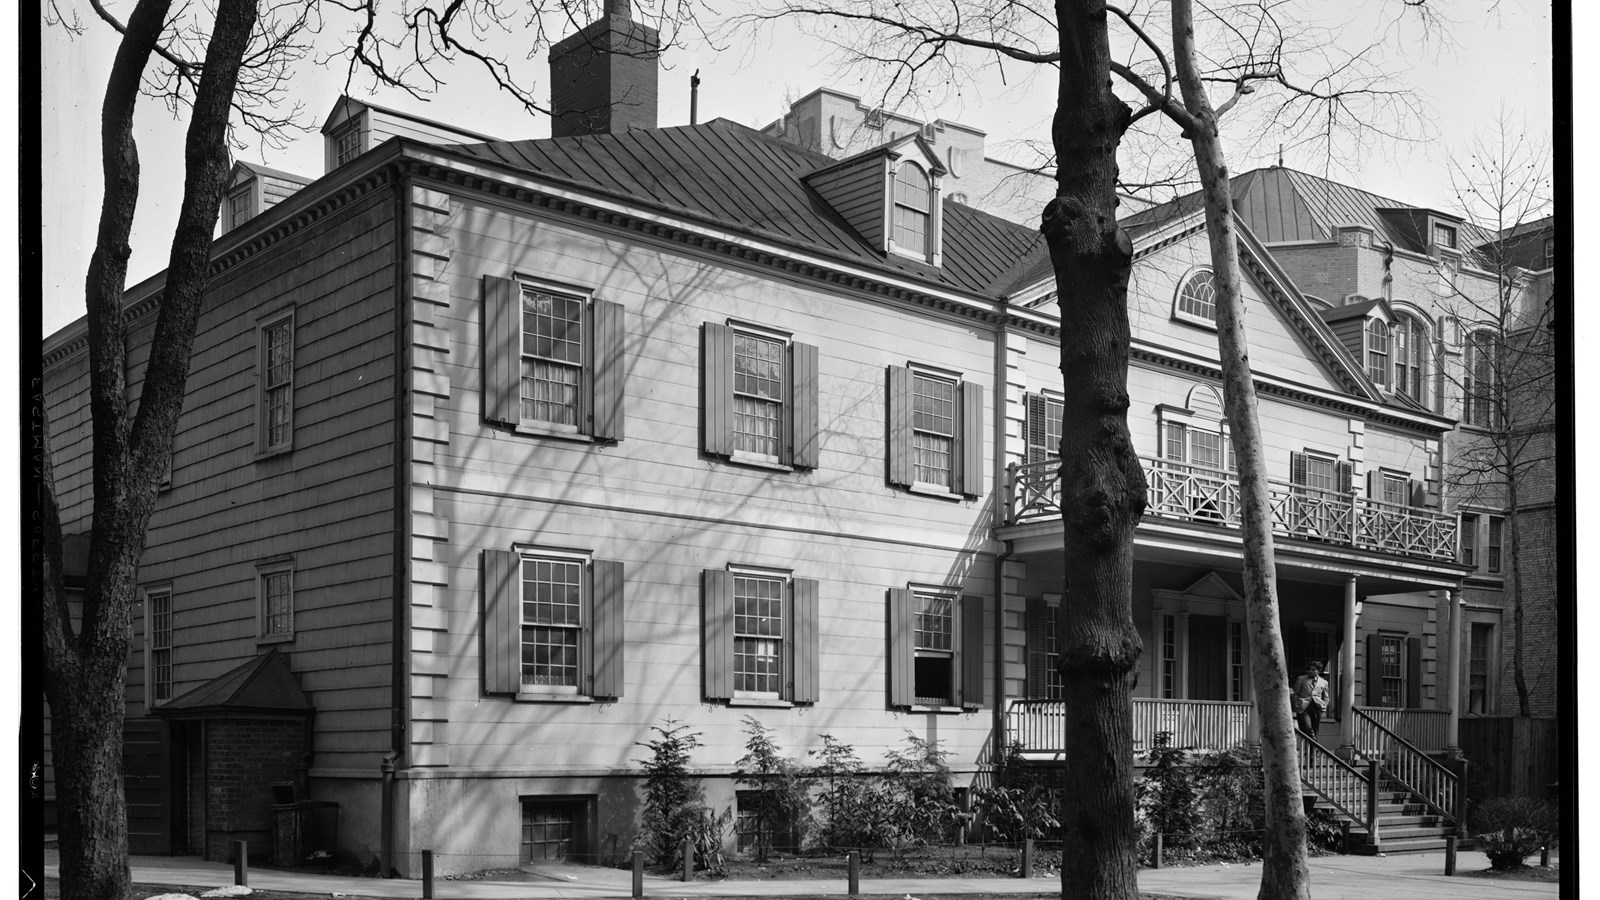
{"x": 1452, "y": 732}
{"x": 1347, "y": 668}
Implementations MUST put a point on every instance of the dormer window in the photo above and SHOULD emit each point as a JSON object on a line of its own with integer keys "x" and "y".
{"x": 1378, "y": 351}
{"x": 1410, "y": 339}
{"x": 913, "y": 203}
{"x": 1549, "y": 252}
{"x": 1197, "y": 300}
{"x": 347, "y": 142}
{"x": 1444, "y": 235}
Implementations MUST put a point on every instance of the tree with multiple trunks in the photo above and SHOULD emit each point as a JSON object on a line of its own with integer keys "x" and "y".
{"x": 225, "y": 66}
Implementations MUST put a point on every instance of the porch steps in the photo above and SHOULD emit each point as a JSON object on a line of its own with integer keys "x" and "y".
{"x": 1403, "y": 827}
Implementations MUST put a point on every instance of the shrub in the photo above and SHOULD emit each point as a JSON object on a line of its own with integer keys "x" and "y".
{"x": 1510, "y": 829}
{"x": 1230, "y": 805}
{"x": 777, "y": 794}
{"x": 852, "y": 810}
{"x": 1167, "y": 794}
{"x": 674, "y": 803}
{"x": 1021, "y": 803}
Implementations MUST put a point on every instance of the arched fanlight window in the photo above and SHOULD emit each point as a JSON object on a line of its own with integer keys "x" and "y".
{"x": 1197, "y": 298}
{"x": 1378, "y": 351}
{"x": 912, "y": 209}
{"x": 1410, "y": 340}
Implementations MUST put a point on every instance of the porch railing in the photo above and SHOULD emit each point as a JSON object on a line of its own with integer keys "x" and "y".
{"x": 1040, "y": 725}
{"x": 1193, "y": 493}
{"x": 1424, "y": 728}
{"x": 1334, "y": 780}
{"x": 1429, "y": 781}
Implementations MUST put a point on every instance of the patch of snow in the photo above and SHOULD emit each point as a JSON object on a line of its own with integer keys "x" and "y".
{"x": 232, "y": 890}
{"x": 171, "y": 897}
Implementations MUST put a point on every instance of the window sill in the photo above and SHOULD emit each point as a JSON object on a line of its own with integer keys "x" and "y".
{"x": 551, "y": 697}
{"x": 274, "y": 639}
{"x": 1197, "y": 321}
{"x": 770, "y": 702}
{"x": 942, "y": 710}
{"x": 274, "y": 451}
{"x": 758, "y": 461}
{"x": 549, "y": 430}
{"x": 939, "y": 492}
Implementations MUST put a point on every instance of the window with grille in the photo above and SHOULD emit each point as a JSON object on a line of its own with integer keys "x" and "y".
{"x": 1396, "y": 489}
{"x": 1410, "y": 340}
{"x": 1444, "y": 236}
{"x": 552, "y": 621}
{"x": 1052, "y": 657}
{"x": 758, "y": 635}
{"x": 934, "y": 643}
{"x": 241, "y": 205}
{"x": 758, "y": 825}
{"x": 552, "y": 358}
{"x": 912, "y": 210}
{"x": 1378, "y": 351}
{"x": 1169, "y": 657}
{"x": 347, "y": 142}
{"x": 1496, "y": 535}
{"x": 1391, "y": 670}
{"x": 1478, "y": 668}
{"x": 160, "y": 618}
{"x": 552, "y": 830}
{"x": 1469, "y": 540}
{"x": 1478, "y": 380}
{"x": 277, "y": 384}
{"x": 277, "y": 603}
{"x": 1197, "y": 298}
{"x": 758, "y": 394}
{"x": 1236, "y": 690}
{"x": 934, "y": 429}
{"x": 1321, "y": 473}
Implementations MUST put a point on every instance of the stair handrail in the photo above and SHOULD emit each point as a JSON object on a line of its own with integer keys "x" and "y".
{"x": 1310, "y": 748}
{"x": 1442, "y": 798}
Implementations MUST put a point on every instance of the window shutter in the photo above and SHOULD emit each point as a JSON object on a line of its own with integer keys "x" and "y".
{"x": 804, "y": 443}
{"x": 901, "y": 470}
{"x": 1372, "y": 487}
{"x": 1037, "y": 627}
{"x": 605, "y": 628}
{"x": 1346, "y": 477}
{"x": 716, "y": 404}
{"x": 970, "y": 690}
{"x": 804, "y": 646}
{"x": 1036, "y": 433}
{"x": 607, "y": 364}
{"x": 1418, "y": 492}
{"x": 717, "y": 654}
{"x": 502, "y": 351}
{"x": 969, "y": 480}
{"x": 1297, "y": 468}
{"x": 1374, "y": 670}
{"x": 902, "y": 652}
{"x": 1414, "y": 673}
{"x": 502, "y": 623}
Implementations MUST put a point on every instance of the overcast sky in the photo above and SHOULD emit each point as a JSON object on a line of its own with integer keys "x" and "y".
{"x": 1491, "y": 62}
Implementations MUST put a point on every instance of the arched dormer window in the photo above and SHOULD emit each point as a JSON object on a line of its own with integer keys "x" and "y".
{"x": 1378, "y": 351}
{"x": 1410, "y": 342}
{"x": 1197, "y": 299}
{"x": 913, "y": 205}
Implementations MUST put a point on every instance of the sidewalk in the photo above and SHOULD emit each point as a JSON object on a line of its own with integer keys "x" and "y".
{"x": 1411, "y": 876}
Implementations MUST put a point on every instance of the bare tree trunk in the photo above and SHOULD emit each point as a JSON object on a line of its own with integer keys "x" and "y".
{"x": 1284, "y": 873}
{"x": 1102, "y": 485}
{"x": 85, "y": 670}
{"x": 1514, "y": 587}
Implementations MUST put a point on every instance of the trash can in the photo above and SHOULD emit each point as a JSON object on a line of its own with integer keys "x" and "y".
{"x": 304, "y": 832}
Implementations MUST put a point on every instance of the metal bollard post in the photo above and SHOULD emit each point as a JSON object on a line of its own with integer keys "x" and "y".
{"x": 1450, "y": 855}
{"x": 1156, "y": 862}
{"x": 688, "y": 860}
{"x": 241, "y": 863}
{"x": 638, "y": 874}
{"x": 1027, "y": 858}
{"x": 1544, "y": 856}
{"x": 855, "y": 872}
{"x": 427, "y": 875}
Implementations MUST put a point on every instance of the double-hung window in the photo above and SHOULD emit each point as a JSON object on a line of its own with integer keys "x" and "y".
{"x": 275, "y": 600}
{"x": 553, "y": 360}
{"x": 158, "y": 624}
{"x": 935, "y": 648}
{"x": 1043, "y": 681}
{"x": 913, "y": 210}
{"x": 1393, "y": 670}
{"x": 1478, "y": 379}
{"x": 1497, "y": 526}
{"x": 1378, "y": 351}
{"x": 275, "y": 368}
{"x": 1321, "y": 485}
{"x": 1410, "y": 339}
{"x": 1043, "y": 427}
{"x": 347, "y": 142}
{"x": 1469, "y": 539}
{"x": 553, "y": 627}
{"x": 761, "y": 394}
{"x": 935, "y": 431}
{"x": 1478, "y": 649}
{"x": 760, "y": 635}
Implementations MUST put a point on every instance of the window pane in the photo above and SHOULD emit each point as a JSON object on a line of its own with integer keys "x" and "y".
{"x": 550, "y": 656}
{"x": 934, "y": 428}
{"x": 935, "y": 620}
{"x": 1389, "y": 669}
{"x": 912, "y": 202}
{"x": 1319, "y": 473}
{"x": 280, "y": 374}
{"x": 552, "y": 591}
{"x": 279, "y": 599}
{"x": 1205, "y": 448}
{"x": 1394, "y": 490}
{"x": 161, "y": 645}
{"x": 758, "y": 392}
{"x": 758, "y": 633}
{"x": 552, "y": 357}
{"x": 1198, "y": 297}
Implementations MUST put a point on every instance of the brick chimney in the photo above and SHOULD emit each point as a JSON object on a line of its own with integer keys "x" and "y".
{"x": 604, "y": 78}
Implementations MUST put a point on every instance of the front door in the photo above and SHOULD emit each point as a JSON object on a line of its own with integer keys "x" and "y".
{"x": 1208, "y": 657}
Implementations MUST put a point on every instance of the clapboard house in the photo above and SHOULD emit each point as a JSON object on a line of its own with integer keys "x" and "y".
{"x": 497, "y": 454}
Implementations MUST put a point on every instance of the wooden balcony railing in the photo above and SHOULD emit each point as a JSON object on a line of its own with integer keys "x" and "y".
{"x": 1404, "y": 763}
{"x": 1039, "y": 725}
{"x": 1200, "y": 494}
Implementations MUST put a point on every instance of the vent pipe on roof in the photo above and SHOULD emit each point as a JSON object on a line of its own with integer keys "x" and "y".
{"x": 694, "y": 98}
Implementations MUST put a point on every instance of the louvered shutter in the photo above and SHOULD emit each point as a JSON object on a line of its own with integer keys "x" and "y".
{"x": 969, "y": 478}
{"x": 716, "y": 372}
{"x": 1346, "y": 477}
{"x": 607, "y": 364}
{"x": 1414, "y": 673}
{"x": 804, "y": 647}
{"x": 717, "y": 654}
{"x": 902, "y": 649}
{"x": 1418, "y": 492}
{"x": 502, "y": 351}
{"x": 1036, "y": 625}
{"x": 1297, "y": 468}
{"x": 1373, "y": 488}
{"x": 1374, "y": 670}
{"x": 970, "y": 665}
{"x": 901, "y": 470}
{"x": 1037, "y": 433}
{"x": 804, "y": 442}
{"x": 502, "y": 622}
{"x": 606, "y": 630}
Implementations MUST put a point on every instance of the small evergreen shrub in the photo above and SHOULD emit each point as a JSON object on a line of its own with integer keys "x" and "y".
{"x": 674, "y": 802}
{"x": 1510, "y": 829}
{"x": 1167, "y": 794}
{"x": 922, "y": 803}
{"x": 852, "y": 810}
{"x": 778, "y": 798}
{"x": 1021, "y": 803}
